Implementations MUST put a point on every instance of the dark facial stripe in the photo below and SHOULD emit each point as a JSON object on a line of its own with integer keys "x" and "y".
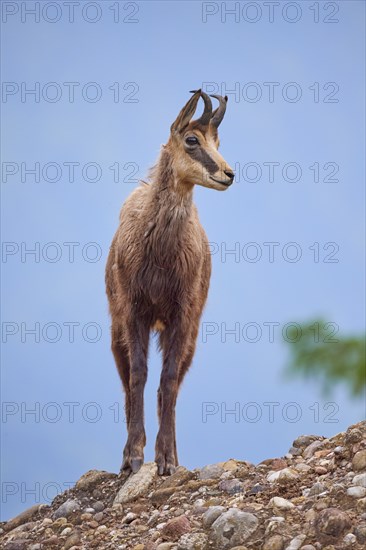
{"x": 204, "y": 158}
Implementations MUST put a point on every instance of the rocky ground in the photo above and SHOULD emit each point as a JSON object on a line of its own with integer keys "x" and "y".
{"x": 312, "y": 498}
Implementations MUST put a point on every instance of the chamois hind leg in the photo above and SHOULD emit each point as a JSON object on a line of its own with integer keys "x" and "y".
{"x": 122, "y": 361}
{"x": 138, "y": 342}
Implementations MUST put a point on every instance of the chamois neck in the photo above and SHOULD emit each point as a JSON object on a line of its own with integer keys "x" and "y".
{"x": 169, "y": 193}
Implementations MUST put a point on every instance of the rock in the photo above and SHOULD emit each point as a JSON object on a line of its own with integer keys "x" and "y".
{"x": 98, "y": 506}
{"x": 180, "y": 476}
{"x": 129, "y": 518}
{"x": 350, "y": 539}
{"x": 360, "y": 479}
{"x": 23, "y": 517}
{"x": 211, "y": 515}
{"x": 72, "y": 540}
{"x": 310, "y": 449}
{"x": 332, "y": 523}
{"x": 282, "y": 475}
{"x": 274, "y": 543}
{"x": 274, "y": 463}
{"x": 353, "y": 435}
{"x": 230, "y": 465}
{"x": 92, "y": 478}
{"x": 320, "y": 470}
{"x": 304, "y": 441}
{"x": 308, "y": 547}
{"x": 166, "y": 546}
{"x": 281, "y": 503}
{"x": 317, "y": 489}
{"x": 296, "y": 543}
{"x": 193, "y": 541}
{"x": 16, "y": 545}
{"x": 356, "y": 492}
{"x": 162, "y": 495}
{"x": 66, "y": 531}
{"x": 302, "y": 467}
{"x": 175, "y": 528}
{"x": 66, "y": 509}
{"x": 231, "y": 486}
{"x": 136, "y": 484}
{"x": 360, "y": 532}
{"x": 212, "y": 471}
{"x": 233, "y": 527}
{"x": 359, "y": 461}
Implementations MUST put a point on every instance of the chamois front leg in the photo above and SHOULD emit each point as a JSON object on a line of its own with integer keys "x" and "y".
{"x": 165, "y": 448}
{"x": 133, "y": 454}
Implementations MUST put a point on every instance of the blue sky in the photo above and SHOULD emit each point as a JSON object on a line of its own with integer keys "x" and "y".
{"x": 171, "y": 48}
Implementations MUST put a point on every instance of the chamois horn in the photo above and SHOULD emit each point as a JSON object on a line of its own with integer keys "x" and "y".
{"x": 207, "y": 113}
{"x": 218, "y": 114}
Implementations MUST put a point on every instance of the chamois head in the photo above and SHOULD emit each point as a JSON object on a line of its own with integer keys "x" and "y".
{"x": 194, "y": 145}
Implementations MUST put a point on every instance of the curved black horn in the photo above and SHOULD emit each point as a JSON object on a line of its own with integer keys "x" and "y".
{"x": 218, "y": 114}
{"x": 207, "y": 113}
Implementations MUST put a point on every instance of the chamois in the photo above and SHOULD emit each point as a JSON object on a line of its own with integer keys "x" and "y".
{"x": 158, "y": 273}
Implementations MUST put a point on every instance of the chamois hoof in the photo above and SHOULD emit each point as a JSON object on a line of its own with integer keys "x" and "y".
{"x": 132, "y": 464}
{"x": 165, "y": 469}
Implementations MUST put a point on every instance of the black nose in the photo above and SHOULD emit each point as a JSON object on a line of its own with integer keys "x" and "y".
{"x": 229, "y": 174}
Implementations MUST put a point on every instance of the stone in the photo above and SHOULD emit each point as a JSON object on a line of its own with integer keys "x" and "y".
{"x": 66, "y": 509}
{"x": 356, "y": 492}
{"x": 274, "y": 543}
{"x": 162, "y": 495}
{"x": 360, "y": 479}
{"x": 302, "y": 467}
{"x": 193, "y": 541}
{"x": 332, "y": 523}
{"x": 137, "y": 484}
{"x": 281, "y": 503}
{"x": 72, "y": 540}
{"x": 66, "y": 531}
{"x": 314, "y": 446}
{"x": 231, "y": 486}
{"x": 230, "y": 465}
{"x": 304, "y": 441}
{"x": 317, "y": 489}
{"x": 180, "y": 476}
{"x": 320, "y": 470}
{"x": 211, "y": 515}
{"x": 296, "y": 542}
{"x": 175, "y": 528}
{"x": 233, "y": 527}
{"x": 129, "y": 518}
{"x": 360, "y": 532}
{"x": 212, "y": 471}
{"x": 21, "y": 518}
{"x": 282, "y": 475}
{"x": 19, "y": 544}
{"x": 359, "y": 461}
{"x": 98, "y": 506}
{"x": 350, "y": 539}
{"x": 166, "y": 546}
{"x": 308, "y": 547}
{"x": 92, "y": 478}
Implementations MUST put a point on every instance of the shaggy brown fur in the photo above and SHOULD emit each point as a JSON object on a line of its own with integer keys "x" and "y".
{"x": 158, "y": 273}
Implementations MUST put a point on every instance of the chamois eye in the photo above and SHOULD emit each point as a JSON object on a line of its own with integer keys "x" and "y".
{"x": 191, "y": 140}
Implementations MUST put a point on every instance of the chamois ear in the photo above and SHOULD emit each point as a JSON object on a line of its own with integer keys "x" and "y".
{"x": 186, "y": 113}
